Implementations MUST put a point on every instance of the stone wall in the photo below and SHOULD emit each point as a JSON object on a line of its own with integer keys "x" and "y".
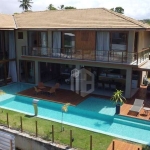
{"x": 24, "y": 141}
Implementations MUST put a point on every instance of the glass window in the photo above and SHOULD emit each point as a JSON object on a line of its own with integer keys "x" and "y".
{"x": 4, "y": 44}
{"x": 37, "y": 39}
{"x": 20, "y": 35}
{"x": 119, "y": 38}
{"x": 27, "y": 71}
{"x": 69, "y": 40}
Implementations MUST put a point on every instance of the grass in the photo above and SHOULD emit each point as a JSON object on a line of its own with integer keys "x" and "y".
{"x": 81, "y": 136}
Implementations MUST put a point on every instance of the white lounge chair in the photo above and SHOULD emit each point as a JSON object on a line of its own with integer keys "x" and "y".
{"x": 137, "y": 106}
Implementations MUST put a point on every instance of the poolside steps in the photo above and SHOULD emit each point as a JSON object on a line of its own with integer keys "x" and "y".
{"x": 123, "y": 145}
{"x": 138, "y": 123}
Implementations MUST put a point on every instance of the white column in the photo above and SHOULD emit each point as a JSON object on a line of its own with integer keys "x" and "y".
{"x": 130, "y": 48}
{"x": 77, "y": 83}
{"x": 36, "y": 72}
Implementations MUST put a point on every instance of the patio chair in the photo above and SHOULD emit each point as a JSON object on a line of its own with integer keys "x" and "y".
{"x": 37, "y": 91}
{"x": 52, "y": 91}
{"x": 56, "y": 86}
{"x": 41, "y": 85}
{"x": 137, "y": 106}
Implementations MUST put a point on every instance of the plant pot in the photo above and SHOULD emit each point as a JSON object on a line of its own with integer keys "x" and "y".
{"x": 117, "y": 108}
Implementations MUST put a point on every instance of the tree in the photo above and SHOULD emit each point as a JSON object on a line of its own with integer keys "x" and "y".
{"x": 69, "y": 7}
{"x": 51, "y": 7}
{"x": 61, "y": 7}
{"x": 118, "y": 10}
{"x": 64, "y": 109}
{"x": 25, "y": 4}
{"x": 119, "y": 99}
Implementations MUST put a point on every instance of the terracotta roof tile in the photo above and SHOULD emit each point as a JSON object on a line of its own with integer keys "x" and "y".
{"x": 94, "y": 18}
{"x": 7, "y": 22}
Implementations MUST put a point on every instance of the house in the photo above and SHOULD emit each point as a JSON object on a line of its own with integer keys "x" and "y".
{"x": 49, "y": 44}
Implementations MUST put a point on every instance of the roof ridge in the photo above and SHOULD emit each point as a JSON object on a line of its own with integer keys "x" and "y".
{"x": 14, "y": 21}
{"x": 58, "y": 10}
{"x": 127, "y": 18}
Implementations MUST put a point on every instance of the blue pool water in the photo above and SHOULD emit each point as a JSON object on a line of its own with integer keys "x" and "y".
{"x": 92, "y": 114}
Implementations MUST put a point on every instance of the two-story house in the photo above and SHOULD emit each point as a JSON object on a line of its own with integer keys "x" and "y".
{"x": 49, "y": 44}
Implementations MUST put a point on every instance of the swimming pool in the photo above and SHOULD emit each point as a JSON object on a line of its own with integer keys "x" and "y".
{"x": 88, "y": 115}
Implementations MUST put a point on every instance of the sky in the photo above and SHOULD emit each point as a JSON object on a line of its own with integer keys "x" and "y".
{"x": 137, "y": 9}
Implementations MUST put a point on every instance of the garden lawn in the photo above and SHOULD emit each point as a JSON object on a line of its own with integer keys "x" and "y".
{"x": 81, "y": 136}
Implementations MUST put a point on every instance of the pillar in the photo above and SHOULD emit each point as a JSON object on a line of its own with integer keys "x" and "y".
{"x": 36, "y": 72}
{"x": 128, "y": 86}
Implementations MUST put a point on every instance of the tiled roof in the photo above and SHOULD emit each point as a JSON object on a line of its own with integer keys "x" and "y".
{"x": 94, "y": 18}
{"x": 7, "y": 22}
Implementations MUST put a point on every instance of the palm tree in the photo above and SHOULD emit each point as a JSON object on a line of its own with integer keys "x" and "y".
{"x": 64, "y": 109}
{"x": 25, "y": 4}
{"x": 61, "y": 7}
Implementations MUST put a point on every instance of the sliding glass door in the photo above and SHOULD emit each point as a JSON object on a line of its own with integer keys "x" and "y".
{"x": 27, "y": 71}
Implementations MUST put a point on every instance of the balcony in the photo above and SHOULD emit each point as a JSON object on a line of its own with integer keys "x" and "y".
{"x": 112, "y": 56}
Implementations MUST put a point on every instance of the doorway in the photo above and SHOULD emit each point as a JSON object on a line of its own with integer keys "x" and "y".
{"x": 27, "y": 71}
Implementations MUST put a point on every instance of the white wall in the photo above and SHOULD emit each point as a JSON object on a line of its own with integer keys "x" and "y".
{"x": 143, "y": 40}
{"x": 20, "y": 42}
{"x": 131, "y": 37}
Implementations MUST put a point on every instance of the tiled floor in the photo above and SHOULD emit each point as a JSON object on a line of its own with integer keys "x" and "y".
{"x": 67, "y": 96}
{"x": 122, "y": 145}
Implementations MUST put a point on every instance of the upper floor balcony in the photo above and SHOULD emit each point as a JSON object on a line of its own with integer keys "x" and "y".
{"x": 112, "y": 56}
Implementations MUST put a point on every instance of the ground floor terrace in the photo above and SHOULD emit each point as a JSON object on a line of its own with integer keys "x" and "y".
{"x": 107, "y": 77}
{"x": 67, "y": 96}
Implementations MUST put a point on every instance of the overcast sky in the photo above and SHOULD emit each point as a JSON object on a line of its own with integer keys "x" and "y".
{"x": 137, "y": 9}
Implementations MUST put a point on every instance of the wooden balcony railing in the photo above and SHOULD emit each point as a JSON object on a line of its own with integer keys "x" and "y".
{"x": 113, "y": 56}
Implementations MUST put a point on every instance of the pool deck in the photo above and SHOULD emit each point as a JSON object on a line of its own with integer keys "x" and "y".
{"x": 141, "y": 94}
{"x": 61, "y": 96}
{"x": 119, "y": 145}
{"x": 67, "y": 96}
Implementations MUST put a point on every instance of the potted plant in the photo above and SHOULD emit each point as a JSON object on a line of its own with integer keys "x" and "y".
{"x": 119, "y": 99}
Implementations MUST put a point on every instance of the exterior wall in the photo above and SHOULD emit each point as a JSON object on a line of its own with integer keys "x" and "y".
{"x": 144, "y": 40}
{"x": 21, "y": 42}
{"x": 50, "y": 39}
{"x": 131, "y": 37}
{"x": 85, "y": 40}
{"x": 130, "y": 49}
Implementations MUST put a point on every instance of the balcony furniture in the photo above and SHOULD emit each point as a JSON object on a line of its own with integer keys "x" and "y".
{"x": 41, "y": 85}
{"x": 52, "y": 91}
{"x": 37, "y": 91}
{"x": 57, "y": 85}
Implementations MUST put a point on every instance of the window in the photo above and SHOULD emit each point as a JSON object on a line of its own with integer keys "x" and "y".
{"x": 119, "y": 38}
{"x": 37, "y": 38}
{"x": 20, "y": 35}
{"x": 69, "y": 40}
